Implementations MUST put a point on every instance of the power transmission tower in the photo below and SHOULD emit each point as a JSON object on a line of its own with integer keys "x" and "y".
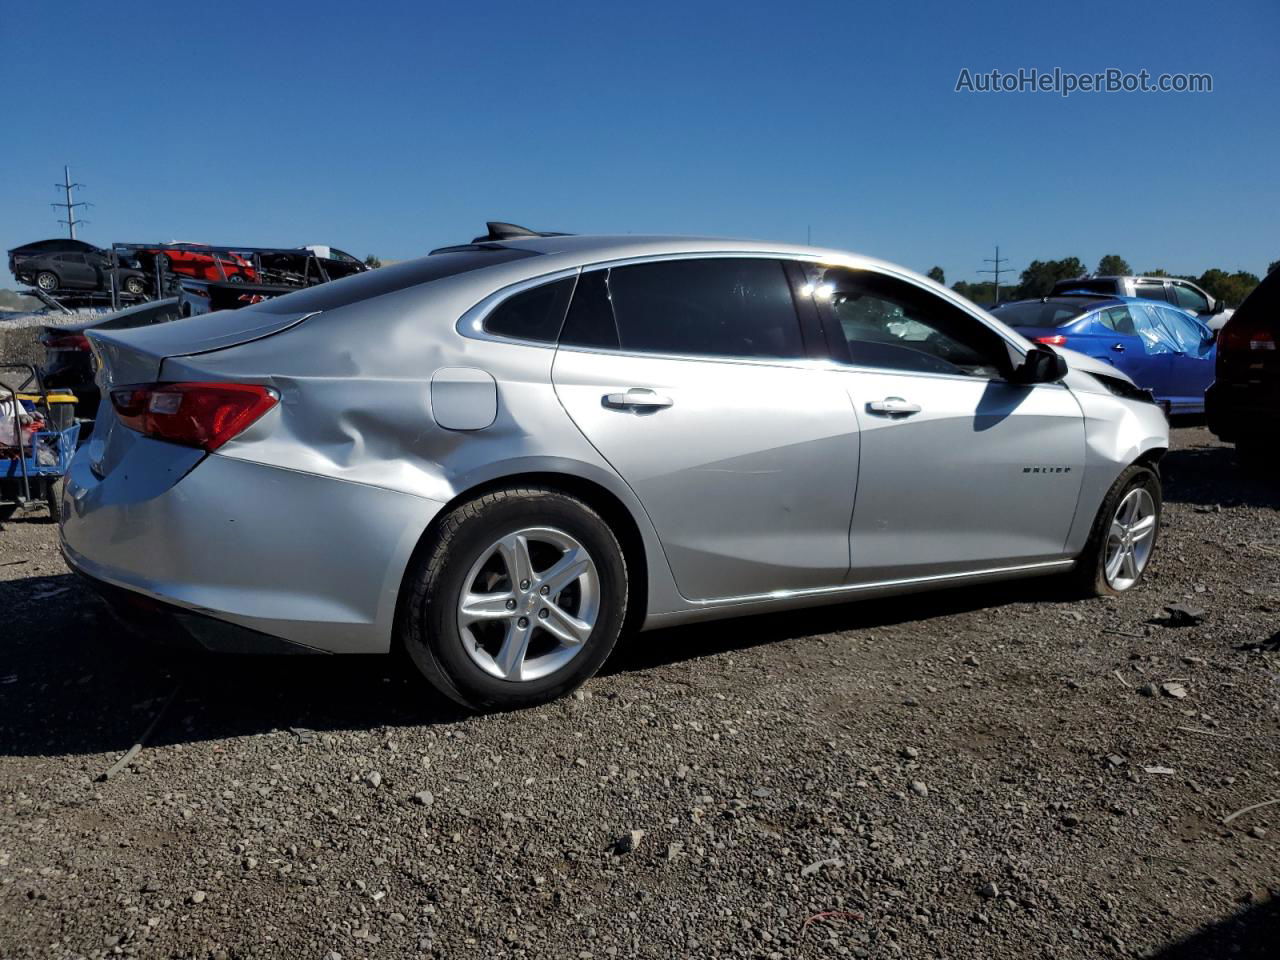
{"x": 68, "y": 205}
{"x": 997, "y": 270}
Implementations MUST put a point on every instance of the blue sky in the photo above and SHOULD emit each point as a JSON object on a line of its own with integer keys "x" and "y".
{"x": 391, "y": 128}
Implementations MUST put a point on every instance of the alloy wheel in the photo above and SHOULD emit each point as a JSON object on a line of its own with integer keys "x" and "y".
{"x": 1130, "y": 539}
{"x": 529, "y": 604}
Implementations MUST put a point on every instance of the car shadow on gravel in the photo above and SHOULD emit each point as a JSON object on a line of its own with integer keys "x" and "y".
{"x": 649, "y": 650}
{"x": 72, "y": 681}
{"x": 1209, "y": 476}
{"x": 1252, "y": 934}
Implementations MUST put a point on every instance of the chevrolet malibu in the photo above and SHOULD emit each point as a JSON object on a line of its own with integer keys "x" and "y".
{"x": 501, "y": 456}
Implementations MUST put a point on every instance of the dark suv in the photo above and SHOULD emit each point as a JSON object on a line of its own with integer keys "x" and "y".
{"x": 1243, "y": 404}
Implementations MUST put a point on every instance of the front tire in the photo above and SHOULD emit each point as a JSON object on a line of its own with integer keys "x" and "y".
{"x": 519, "y": 599}
{"x": 1124, "y": 535}
{"x": 134, "y": 286}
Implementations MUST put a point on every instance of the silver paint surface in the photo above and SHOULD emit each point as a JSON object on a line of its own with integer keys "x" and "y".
{"x": 763, "y": 485}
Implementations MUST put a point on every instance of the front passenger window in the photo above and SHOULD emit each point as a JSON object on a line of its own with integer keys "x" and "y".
{"x": 893, "y": 324}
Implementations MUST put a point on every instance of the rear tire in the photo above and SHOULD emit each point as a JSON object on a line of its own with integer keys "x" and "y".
{"x": 494, "y": 625}
{"x": 47, "y": 281}
{"x": 53, "y": 497}
{"x": 1097, "y": 573}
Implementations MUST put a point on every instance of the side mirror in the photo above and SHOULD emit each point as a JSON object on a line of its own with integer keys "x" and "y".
{"x": 1218, "y": 307}
{"x": 1041, "y": 365}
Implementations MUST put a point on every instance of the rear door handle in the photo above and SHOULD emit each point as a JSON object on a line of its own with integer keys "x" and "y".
{"x": 893, "y": 406}
{"x": 1118, "y": 347}
{"x": 637, "y": 398}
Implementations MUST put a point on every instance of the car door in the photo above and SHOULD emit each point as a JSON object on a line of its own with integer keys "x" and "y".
{"x": 1122, "y": 346}
{"x": 75, "y": 272}
{"x": 1191, "y": 365}
{"x": 960, "y": 470}
{"x": 1155, "y": 373}
{"x": 1190, "y": 299}
{"x": 690, "y": 376}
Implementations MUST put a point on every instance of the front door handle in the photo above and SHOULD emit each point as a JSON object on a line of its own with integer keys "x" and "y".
{"x": 637, "y": 398}
{"x": 893, "y": 406}
{"x": 1118, "y": 347}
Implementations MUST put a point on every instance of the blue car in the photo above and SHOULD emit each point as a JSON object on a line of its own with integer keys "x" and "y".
{"x": 1163, "y": 349}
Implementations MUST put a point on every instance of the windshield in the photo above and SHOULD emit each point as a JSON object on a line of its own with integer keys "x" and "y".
{"x": 1040, "y": 313}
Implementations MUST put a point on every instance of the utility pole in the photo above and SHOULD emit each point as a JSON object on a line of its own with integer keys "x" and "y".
{"x": 997, "y": 270}
{"x": 68, "y": 205}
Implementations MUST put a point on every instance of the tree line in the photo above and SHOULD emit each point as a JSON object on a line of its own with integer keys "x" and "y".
{"x": 1040, "y": 276}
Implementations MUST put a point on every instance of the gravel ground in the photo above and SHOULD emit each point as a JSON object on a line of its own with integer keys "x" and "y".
{"x": 975, "y": 773}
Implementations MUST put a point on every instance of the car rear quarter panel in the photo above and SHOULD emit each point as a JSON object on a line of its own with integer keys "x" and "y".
{"x": 356, "y": 406}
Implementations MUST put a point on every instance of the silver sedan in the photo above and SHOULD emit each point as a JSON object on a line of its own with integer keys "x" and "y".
{"x": 500, "y": 456}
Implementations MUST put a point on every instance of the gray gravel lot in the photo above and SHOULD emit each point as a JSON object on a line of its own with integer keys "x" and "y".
{"x": 976, "y": 773}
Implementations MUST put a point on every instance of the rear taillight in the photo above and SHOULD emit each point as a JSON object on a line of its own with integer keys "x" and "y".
{"x": 65, "y": 341}
{"x": 204, "y": 415}
{"x": 1057, "y": 340}
{"x": 1244, "y": 338}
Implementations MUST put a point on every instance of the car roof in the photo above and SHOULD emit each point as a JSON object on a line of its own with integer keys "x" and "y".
{"x": 589, "y": 248}
{"x": 1087, "y": 298}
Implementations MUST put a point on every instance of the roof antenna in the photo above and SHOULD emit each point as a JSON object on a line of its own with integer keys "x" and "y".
{"x": 504, "y": 231}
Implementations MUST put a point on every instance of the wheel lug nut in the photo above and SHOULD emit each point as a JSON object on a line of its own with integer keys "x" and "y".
{"x": 545, "y": 590}
{"x": 523, "y": 622}
{"x": 524, "y": 584}
{"x": 542, "y": 614}
{"x": 511, "y": 604}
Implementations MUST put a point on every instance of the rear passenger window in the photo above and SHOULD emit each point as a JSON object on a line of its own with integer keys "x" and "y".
{"x": 1118, "y": 319}
{"x": 731, "y": 307}
{"x": 534, "y": 314}
{"x": 590, "y": 319}
{"x": 1151, "y": 291}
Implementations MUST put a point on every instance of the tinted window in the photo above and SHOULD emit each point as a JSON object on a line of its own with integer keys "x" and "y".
{"x": 1155, "y": 338}
{"x": 894, "y": 324}
{"x": 534, "y": 314}
{"x": 1189, "y": 299}
{"x": 1150, "y": 291}
{"x": 706, "y": 307}
{"x": 1038, "y": 313}
{"x": 590, "y": 319}
{"x": 1093, "y": 286}
{"x": 401, "y": 276}
{"x": 1119, "y": 319}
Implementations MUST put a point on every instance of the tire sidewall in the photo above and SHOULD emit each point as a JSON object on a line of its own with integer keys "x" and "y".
{"x": 442, "y": 644}
{"x": 1132, "y": 478}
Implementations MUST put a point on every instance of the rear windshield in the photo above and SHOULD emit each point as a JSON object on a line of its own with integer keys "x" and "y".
{"x": 1093, "y": 286}
{"x": 1037, "y": 313}
{"x": 374, "y": 283}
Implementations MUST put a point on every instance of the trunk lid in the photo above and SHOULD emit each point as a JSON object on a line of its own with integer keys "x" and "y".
{"x": 137, "y": 355}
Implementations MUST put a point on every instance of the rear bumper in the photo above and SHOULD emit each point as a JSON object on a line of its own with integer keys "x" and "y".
{"x": 174, "y": 626}
{"x": 287, "y": 556}
{"x": 1233, "y": 412}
